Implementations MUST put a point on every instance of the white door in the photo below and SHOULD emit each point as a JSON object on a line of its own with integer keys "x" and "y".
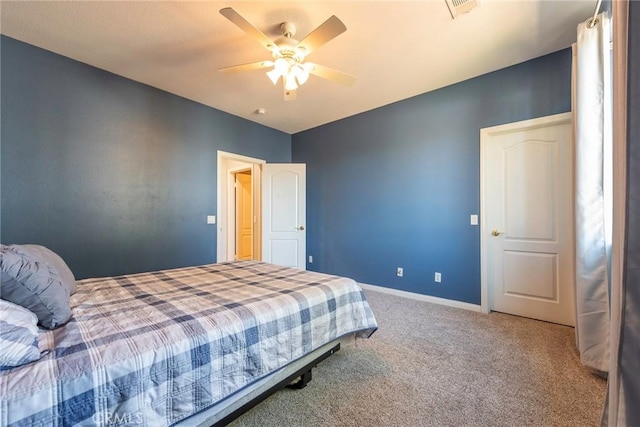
{"x": 527, "y": 219}
{"x": 284, "y": 214}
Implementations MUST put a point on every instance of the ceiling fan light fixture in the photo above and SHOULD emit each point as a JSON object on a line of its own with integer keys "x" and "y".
{"x": 282, "y": 66}
{"x": 293, "y": 73}
{"x": 273, "y": 75}
{"x": 290, "y": 82}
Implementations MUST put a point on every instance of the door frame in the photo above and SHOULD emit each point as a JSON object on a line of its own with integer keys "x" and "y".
{"x": 485, "y": 136}
{"x": 225, "y": 170}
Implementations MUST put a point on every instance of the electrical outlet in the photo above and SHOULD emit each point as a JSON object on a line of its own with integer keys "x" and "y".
{"x": 437, "y": 277}
{"x": 400, "y": 272}
{"x": 310, "y": 259}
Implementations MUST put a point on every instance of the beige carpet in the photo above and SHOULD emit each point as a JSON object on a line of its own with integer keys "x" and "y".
{"x": 430, "y": 365}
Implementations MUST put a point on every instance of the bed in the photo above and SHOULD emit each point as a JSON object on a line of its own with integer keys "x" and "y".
{"x": 183, "y": 346}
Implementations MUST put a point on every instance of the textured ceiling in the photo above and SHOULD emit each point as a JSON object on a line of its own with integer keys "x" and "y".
{"x": 396, "y": 49}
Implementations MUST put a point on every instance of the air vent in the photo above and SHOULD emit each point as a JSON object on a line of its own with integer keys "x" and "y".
{"x": 457, "y": 7}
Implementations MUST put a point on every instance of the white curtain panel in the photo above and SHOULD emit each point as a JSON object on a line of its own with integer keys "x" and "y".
{"x": 592, "y": 121}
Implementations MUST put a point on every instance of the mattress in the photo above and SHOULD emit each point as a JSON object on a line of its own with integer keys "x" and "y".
{"x": 155, "y": 348}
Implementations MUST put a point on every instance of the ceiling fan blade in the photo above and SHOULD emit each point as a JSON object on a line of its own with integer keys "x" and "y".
{"x": 329, "y": 29}
{"x": 331, "y": 74}
{"x": 289, "y": 95}
{"x": 246, "y": 67}
{"x": 248, "y": 28}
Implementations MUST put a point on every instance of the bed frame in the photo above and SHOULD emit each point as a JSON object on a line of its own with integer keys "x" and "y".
{"x": 244, "y": 400}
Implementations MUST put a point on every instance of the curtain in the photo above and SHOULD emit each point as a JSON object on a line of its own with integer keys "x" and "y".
{"x": 592, "y": 125}
{"x": 622, "y": 407}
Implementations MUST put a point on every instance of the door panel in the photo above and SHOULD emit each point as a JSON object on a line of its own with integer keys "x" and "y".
{"x": 284, "y": 201}
{"x": 527, "y": 234}
{"x": 284, "y": 252}
{"x": 531, "y": 275}
{"x": 529, "y": 171}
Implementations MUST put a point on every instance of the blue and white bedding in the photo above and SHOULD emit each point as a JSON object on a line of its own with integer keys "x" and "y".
{"x": 152, "y": 349}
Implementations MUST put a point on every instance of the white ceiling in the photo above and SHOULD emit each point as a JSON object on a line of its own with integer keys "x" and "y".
{"x": 396, "y": 49}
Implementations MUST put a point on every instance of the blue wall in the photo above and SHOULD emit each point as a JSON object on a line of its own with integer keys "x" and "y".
{"x": 395, "y": 186}
{"x": 118, "y": 177}
{"x": 115, "y": 176}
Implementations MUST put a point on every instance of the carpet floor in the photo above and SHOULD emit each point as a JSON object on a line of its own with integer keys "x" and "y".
{"x": 430, "y": 365}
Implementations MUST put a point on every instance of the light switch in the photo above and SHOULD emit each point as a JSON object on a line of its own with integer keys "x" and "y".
{"x": 474, "y": 219}
{"x": 211, "y": 219}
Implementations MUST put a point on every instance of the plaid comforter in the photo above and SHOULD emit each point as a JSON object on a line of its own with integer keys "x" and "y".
{"x": 152, "y": 349}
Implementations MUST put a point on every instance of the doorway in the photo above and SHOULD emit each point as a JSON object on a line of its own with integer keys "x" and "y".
{"x": 278, "y": 235}
{"x": 229, "y": 164}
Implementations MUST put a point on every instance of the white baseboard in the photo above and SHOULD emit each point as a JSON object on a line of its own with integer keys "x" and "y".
{"x": 421, "y": 297}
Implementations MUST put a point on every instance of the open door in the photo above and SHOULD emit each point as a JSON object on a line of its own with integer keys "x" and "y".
{"x": 284, "y": 214}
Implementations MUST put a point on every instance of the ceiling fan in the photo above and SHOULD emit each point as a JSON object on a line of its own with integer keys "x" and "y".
{"x": 289, "y": 54}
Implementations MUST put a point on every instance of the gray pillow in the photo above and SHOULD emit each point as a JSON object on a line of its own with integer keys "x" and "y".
{"x": 18, "y": 335}
{"x": 34, "y": 285}
{"x": 46, "y": 255}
